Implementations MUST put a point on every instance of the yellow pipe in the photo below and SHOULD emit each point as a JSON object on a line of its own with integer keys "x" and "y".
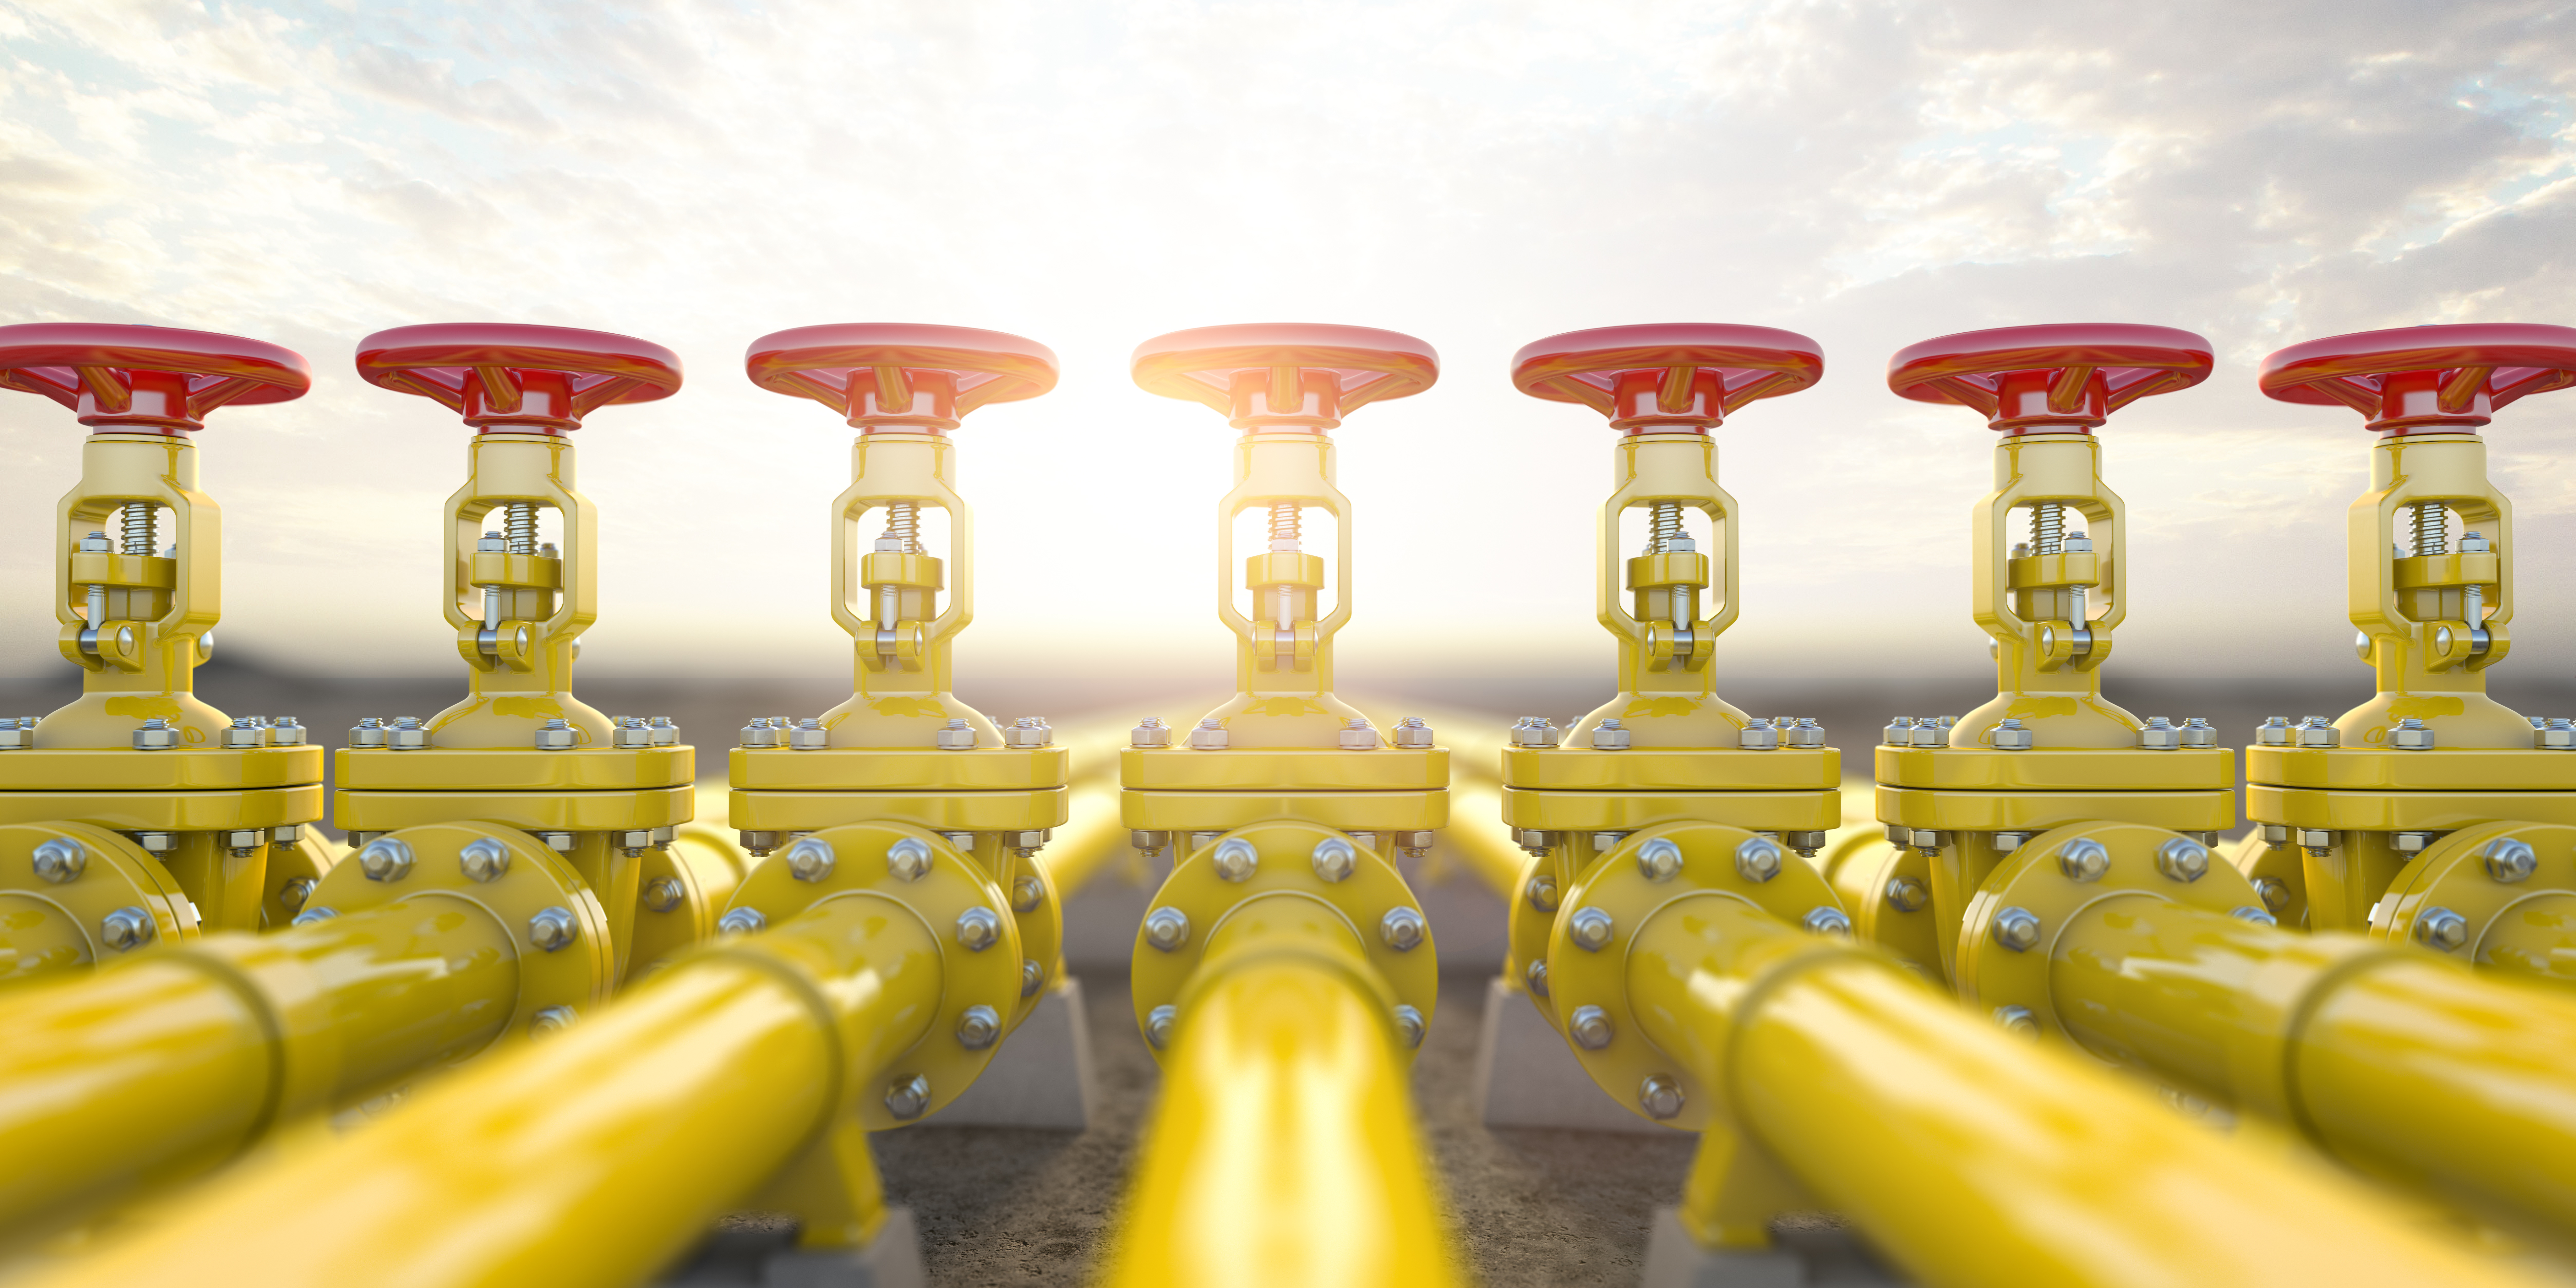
{"x": 2535, "y": 939}
{"x": 590, "y": 1159}
{"x": 2392, "y": 1059}
{"x": 1477, "y": 837}
{"x": 1971, "y": 1157}
{"x": 1092, "y": 835}
{"x": 168, "y": 1066}
{"x": 1284, "y": 1151}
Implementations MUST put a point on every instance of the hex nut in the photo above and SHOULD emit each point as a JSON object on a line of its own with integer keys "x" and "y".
{"x": 243, "y": 734}
{"x": 1758, "y": 860}
{"x": 810, "y": 859}
{"x": 1929, "y": 733}
{"x": 1899, "y": 732}
{"x": 2197, "y": 733}
{"x": 978, "y": 1027}
{"x": 61, "y": 860}
{"x": 2259, "y": 916}
{"x": 629, "y": 733}
{"x": 1906, "y": 894}
{"x": 908, "y": 858}
{"x": 1150, "y": 732}
{"x": 808, "y": 735}
{"x": 760, "y": 843}
{"x": 560, "y": 842}
{"x": 1540, "y": 890}
{"x": 908, "y": 1098}
{"x": 2508, "y": 859}
{"x": 1409, "y": 1025}
{"x": 557, "y": 735}
{"x": 367, "y": 733}
{"x": 978, "y": 928}
{"x": 551, "y": 1019}
{"x": 2017, "y": 1020}
{"x": 2012, "y": 735}
{"x": 484, "y": 859}
{"x": 1659, "y": 860}
{"x": 742, "y": 921}
{"x": 385, "y": 859}
{"x": 2411, "y": 735}
{"x": 956, "y": 735}
{"x": 1590, "y": 929}
{"x": 1167, "y": 928}
{"x": 1031, "y": 975}
{"x": 1590, "y": 1027}
{"x": 1158, "y": 1025}
{"x": 1827, "y": 921}
{"x": 1150, "y": 842}
{"x": 2083, "y": 859}
{"x": 1335, "y": 859}
{"x": 1535, "y": 731}
{"x": 1412, "y": 733}
{"x": 1235, "y": 860}
{"x": 2317, "y": 731}
{"x": 1804, "y": 735}
{"x": 2182, "y": 859}
{"x": 1758, "y": 735}
{"x": 1357, "y": 735}
{"x": 2273, "y": 732}
{"x": 1660, "y": 1097}
{"x": 1027, "y": 732}
{"x": 553, "y": 929}
{"x": 759, "y": 734}
{"x": 1403, "y": 929}
{"x": 1536, "y": 976}
{"x": 2441, "y": 929}
{"x": 156, "y": 735}
{"x": 2557, "y": 735}
{"x": 292, "y": 894}
{"x": 663, "y": 732}
{"x": 2017, "y": 929}
{"x": 662, "y": 894}
{"x": 312, "y": 915}
{"x": 1209, "y": 736}
{"x": 1610, "y": 735}
{"x": 127, "y": 929}
{"x": 1027, "y": 893}
{"x": 2160, "y": 735}
{"x": 2274, "y": 891}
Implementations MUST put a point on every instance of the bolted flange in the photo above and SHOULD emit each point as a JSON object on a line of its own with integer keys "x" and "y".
{"x": 2456, "y": 894}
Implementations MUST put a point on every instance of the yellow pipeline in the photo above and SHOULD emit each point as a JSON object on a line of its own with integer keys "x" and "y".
{"x": 1284, "y": 1152}
{"x": 172, "y": 1064}
{"x": 2392, "y": 1059}
{"x": 1971, "y": 1157}
{"x": 591, "y": 1159}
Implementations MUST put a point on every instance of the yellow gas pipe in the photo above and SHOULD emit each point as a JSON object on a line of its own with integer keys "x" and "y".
{"x": 1970, "y": 1158}
{"x": 594, "y": 1158}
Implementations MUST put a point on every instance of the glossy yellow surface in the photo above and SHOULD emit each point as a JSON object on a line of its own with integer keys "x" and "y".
{"x": 514, "y": 769}
{"x": 1212, "y": 811}
{"x": 1551, "y": 811}
{"x": 1300, "y": 768}
{"x": 2056, "y": 770}
{"x": 1284, "y": 1151}
{"x": 1972, "y": 1158}
{"x": 589, "y": 1159}
{"x": 1700, "y": 769}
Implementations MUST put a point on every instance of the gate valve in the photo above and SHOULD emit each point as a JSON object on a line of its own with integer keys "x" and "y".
{"x": 2046, "y": 388}
{"x": 1664, "y": 386}
{"x": 1286, "y": 385}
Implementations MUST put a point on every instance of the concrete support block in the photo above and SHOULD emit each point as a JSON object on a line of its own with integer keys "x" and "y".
{"x": 1526, "y": 1076}
{"x": 1040, "y": 1078}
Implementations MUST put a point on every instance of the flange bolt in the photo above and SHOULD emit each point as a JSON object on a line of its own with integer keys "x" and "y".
{"x": 742, "y": 921}
{"x": 808, "y": 735}
{"x": 1758, "y": 735}
{"x": 1335, "y": 859}
{"x": 978, "y": 928}
{"x": 1158, "y": 1025}
{"x": 1167, "y": 928}
{"x": 1590, "y": 1026}
{"x": 1758, "y": 860}
{"x": 956, "y": 735}
{"x": 2160, "y": 735}
{"x": 1403, "y": 929}
{"x": 385, "y": 859}
{"x": 1235, "y": 860}
{"x": 1537, "y": 977}
{"x": 1031, "y": 975}
{"x": 156, "y": 734}
{"x": 1209, "y": 736}
{"x": 2442, "y": 929}
{"x": 2198, "y": 733}
{"x": 977, "y": 1027}
{"x": 1150, "y": 732}
{"x": 1409, "y": 1025}
{"x": 908, "y": 858}
{"x": 2317, "y": 731}
{"x": 1827, "y": 921}
{"x": 1659, "y": 860}
{"x": 551, "y": 1019}
{"x": 2012, "y": 735}
{"x": 2083, "y": 859}
{"x": 662, "y": 894}
{"x": 2017, "y": 1020}
{"x": 2411, "y": 735}
{"x": 127, "y": 929}
{"x": 2275, "y": 892}
{"x": 1027, "y": 893}
{"x": 1660, "y": 1097}
{"x": 2017, "y": 929}
{"x": 1357, "y": 735}
{"x": 1535, "y": 731}
{"x": 1590, "y": 929}
{"x": 557, "y": 735}
{"x": 61, "y": 860}
{"x": 2508, "y": 859}
{"x": 1907, "y": 894}
{"x": 1540, "y": 890}
{"x": 2273, "y": 732}
{"x": 1610, "y": 735}
{"x": 552, "y": 929}
{"x": 908, "y": 1098}
{"x": 2182, "y": 859}
{"x": 483, "y": 859}
{"x": 1412, "y": 733}
{"x": 810, "y": 859}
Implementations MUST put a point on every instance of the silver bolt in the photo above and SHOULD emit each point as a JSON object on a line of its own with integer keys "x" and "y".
{"x": 1610, "y": 735}
{"x": 385, "y": 859}
{"x": 1757, "y": 735}
{"x": 1659, "y": 860}
{"x": 61, "y": 860}
{"x": 1027, "y": 893}
{"x": 1158, "y": 1025}
{"x": 1412, "y": 733}
{"x": 552, "y": 929}
{"x": 1827, "y": 921}
{"x": 127, "y": 929}
{"x": 1907, "y": 894}
{"x": 1167, "y": 928}
{"x": 1335, "y": 859}
{"x": 664, "y": 733}
{"x": 1235, "y": 859}
{"x": 2273, "y": 732}
{"x": 2317, "y": 731}
{"x": 156, "y": 734}
{"x": 908, "y": 1098}
{"x": 2160, "y": 735}
{"x": 1150, "y": 732}
{"x": 2012, "y": 735}
{"x": 662, "y": 894}
{"x": 162, "y": 842}
{"x": 2411, "y": 735}
{"x": 1031, "y": 975}
{"x": 561, "y": 842}
{"x": 2197, "y": 733}
{"x": 1209, "y": 736}
{"x": 808, "y": 735}
{"x": 294, "y": 892}
{"x": 742, "y": 921}
{"x": 1356, "y": 735}
{"x": 312, "y": 915}
{"x": 1660, "y": 1097}
{"x": 1540, "y": 890}
{"x": 1590, "y": 1026}
{"x": 2017, "y": 1020}
{"x": 2510, "y": 860}
{"x": 2083, "y": 859}
{"x": 2256, "y": 915}
{"x": 483, "y": 859}
{"x": 2007, "y": 842}
{"x": 978, "y": 928}
{"x": 1535, "y": 731}
{"x": 557, "y": 735}
{"x": 2275, "y": 892}
{"x": 956, "y": 735}
{"x": 1758, "y": 860}
{"x": 551, "y": 1019}
{"x": 1537, "y": 977}
{"x": 2017, "y": 929}
{"x": 908, "y": 858}
{"x": 810, "y": 859}
{"x": 2441, "y": 928}
{"x": 2182, "y": 859}
{"x": 1590, "y": 929}
{"x": 977, "y": 1027}
{"x": 759, "y": 734}
{"x": 1403, "y": 929}
{"x": 1409, "y": 1025}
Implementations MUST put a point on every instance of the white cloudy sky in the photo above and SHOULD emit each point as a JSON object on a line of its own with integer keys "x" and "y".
{"x": 1870, "y": 172}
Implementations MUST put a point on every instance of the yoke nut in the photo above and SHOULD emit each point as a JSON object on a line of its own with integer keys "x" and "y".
{"x": 908, "y": 858}
{"x": 978, "y": 1027}
{"x": 2441, "y": 929}
{"x": 2182, "y": 859}
{"x": 2017, "y": 929}
{"x": 1412, "y": 733}
{"x": 1357, "y": 735}
{"x": 1167, "y": 928}
{"x": 2508, "y": 859}
{"x": 1758, "y": 860}
{"x": 2083, "y": 859}
{"x": 1403, "y": 929}
{"x": 127, "y": 929}
{"x": 557, "y": 735}
{"x": 1590, "y": 1027}
{"x": 385, "y": 859}
{"x": 1907, "y": 894}
{"x": 1827, "y": 921}
{"x": 1235, "y": 860}
{"x": 1335, "y": 859}
{"x": 1660, "y": 1097}
{"x": 908, "y": 1098}
{"x": 483, "y": 859}
{"x": 1659, "y": 860}
{"x": 1150, "y": 732}
{"x": 156, "y": 734}
{"x": 810, "y": 859}
{"x": 1590, "y": 929}
{"x": 978, "y": 928}
{"x": 1409, "y": 1025}
{"x": 2411, "y": 735}
{"x": 61, "y": 860}
{"x": 552, "y": 929}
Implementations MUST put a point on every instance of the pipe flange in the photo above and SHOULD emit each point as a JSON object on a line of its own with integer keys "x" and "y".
{"x": 1359, "y": 889}
{"x": 957, "y": 901}
{"x": 1041, "y": 925}
{"x": 537, "y": 896}
{"x": 2478, "y": 875}
{"x": 1598, "y": 918}
{"x": 87, "y": 883}
{"x": 2008, "y": 938}
{"x": 681, "y": 889}
{"x": 295, "y": 871}
{"x": 1532, "y": 916}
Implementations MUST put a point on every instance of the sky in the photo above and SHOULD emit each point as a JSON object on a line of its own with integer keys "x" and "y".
{"x": 1870, "y": 173}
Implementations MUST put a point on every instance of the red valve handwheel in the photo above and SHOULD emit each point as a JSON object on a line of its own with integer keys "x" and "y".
{"x": 147, "y": 379}
{"x": 1294, "y": 375}
{"x": 895, "y": 374}
{"x": 1670, "y": 376}
{"x": 2062, "y": 377}
{"x": 505, "y": 376}
{"x": 2452, "y": 377}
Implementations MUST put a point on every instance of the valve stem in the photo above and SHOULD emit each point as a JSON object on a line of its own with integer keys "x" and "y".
{"x": 903, "y": 523}
{"x": 2432, "y": 528}
{"x": 142, "y": 521}
{"x": 1666, "y": 527}
{"x": 1284, "y": 522}
{"x": 2048, "y": 528}
{"x": 519, "y": 523}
